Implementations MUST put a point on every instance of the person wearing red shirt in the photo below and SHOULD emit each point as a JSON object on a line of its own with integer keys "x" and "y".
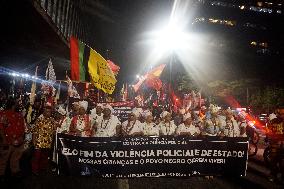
{"x": 12, "y": 130}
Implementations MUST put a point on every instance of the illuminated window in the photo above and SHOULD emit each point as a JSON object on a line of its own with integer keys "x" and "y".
{"x": 223, "y": 22}
{"x": 259, "y": 4}
{"x": 263, "y": 51}
{"x": 263, "y": 44}
{"x": 253, "y": 43}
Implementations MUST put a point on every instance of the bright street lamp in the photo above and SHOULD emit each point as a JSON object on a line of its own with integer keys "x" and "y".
{"x": 171, "y": 38}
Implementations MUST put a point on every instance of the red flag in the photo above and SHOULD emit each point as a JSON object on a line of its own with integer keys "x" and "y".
{"x": 74, "y": 53}
{"x": 175, "y": 99}
{"x": 157, "y": 71}
{"x": 154, "y": 82}
{"x": 154, "y": 73}
{"x": 139, "y": 83}
{"x": 114, "y": 68}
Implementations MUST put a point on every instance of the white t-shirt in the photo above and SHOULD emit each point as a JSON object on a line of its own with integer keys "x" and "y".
{"x": 94, "y": 118}
{"x": 232, "y": 128}
{"x": 106, "y": 128}
{"x": 192, "y": 130}
{"x": 150, "y": 129}
{"x": 167, "y": 128}
{"x": 134, "y": 127}
{"x": 243, "y": 124}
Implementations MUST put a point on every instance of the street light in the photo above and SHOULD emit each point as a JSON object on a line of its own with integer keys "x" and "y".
{"x": 170, "y": 39}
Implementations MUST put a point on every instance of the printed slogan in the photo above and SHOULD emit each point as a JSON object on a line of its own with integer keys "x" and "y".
{"x": 151, "y": 156}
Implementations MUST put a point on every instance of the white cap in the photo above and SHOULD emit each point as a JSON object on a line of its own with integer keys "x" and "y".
{"x": 243, "y": 114}
{"x": 61, "y": 110}
{"x": 272, "y": 116}
{"x": 48, "y": 104}
{"x": 164, "y": 114}
{"x": 186, "y": 116}
{"x": 108, "y": 107}
{"x": 213, "y": 108}
{"x": 182, "y": 111}
{"x": 136, "y": 112}
{"x": 229, "y": 111}
{"x": 84, "y": 104}
{"x": 76, "y": 103}
{"x": 100, "y": 105}
{"x": 147, "y": 113}
{"x": 203, "y": 107}
{"x": 93, "y": 111}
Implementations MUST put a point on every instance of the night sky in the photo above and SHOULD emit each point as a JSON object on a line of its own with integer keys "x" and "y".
{"x": 120, "y": 27}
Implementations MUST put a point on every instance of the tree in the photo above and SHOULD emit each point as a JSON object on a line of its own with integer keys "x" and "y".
{"x": 267, "y": 99}
{"x": 219, "y": 90}
{"x": 185, "y": 84}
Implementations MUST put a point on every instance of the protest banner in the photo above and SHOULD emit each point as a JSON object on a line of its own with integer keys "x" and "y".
{"x": 151, "y": 156}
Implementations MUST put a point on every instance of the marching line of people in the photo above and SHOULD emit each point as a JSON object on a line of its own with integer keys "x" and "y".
{"x": 101, "y": 122}
{"x": 19, "y": 132}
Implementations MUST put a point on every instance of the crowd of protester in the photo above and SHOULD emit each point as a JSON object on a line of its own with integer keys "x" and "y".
{"x": 36, "y": 125}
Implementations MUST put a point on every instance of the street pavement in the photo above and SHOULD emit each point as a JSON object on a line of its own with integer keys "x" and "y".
{"x": 256, "y": 178}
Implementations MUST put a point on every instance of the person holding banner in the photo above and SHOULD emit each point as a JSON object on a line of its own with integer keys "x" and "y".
{"x": 242, "y": 124}
{"x": 81, "y": 123}
{"x": 132, "y": 126}
{"x": 187, "y": 128}
{"x": 63, "y": 120}
{"x": 212, "y": 124}
{"x": 75, "y": 109}
{"x": 167, "y": 126}
{"x": 232, "y": 128}
{"x": 43, "y": 133}
{"x": 149, "y": 128}
{"x": 96, "y": 114}
{"x": 106, "y": 125}
{"x": 179, "y": 117}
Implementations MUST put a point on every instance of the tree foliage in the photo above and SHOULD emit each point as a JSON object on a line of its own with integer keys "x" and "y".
{"x": 185, "y": 84}
{"x": 267, "y": 99}
{"x": 220, "y": 89}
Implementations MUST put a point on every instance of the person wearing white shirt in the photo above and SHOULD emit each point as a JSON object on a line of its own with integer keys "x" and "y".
{"x": 149, "y": 128}
{"x": 132, "y": 126}
{"x": 96, "y": 114}
{"x": 166, "y": 126}
{"x": 187, "y": 128}
{"x": 80, "y": 124}
{"x": 106, "y": 125}
{"x": 242, "y": 124}
{"x": 232, "y": 128}
{"x": 64, "y": 121}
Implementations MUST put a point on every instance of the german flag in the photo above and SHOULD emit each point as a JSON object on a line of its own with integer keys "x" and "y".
{"x": 80, "y": 54}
